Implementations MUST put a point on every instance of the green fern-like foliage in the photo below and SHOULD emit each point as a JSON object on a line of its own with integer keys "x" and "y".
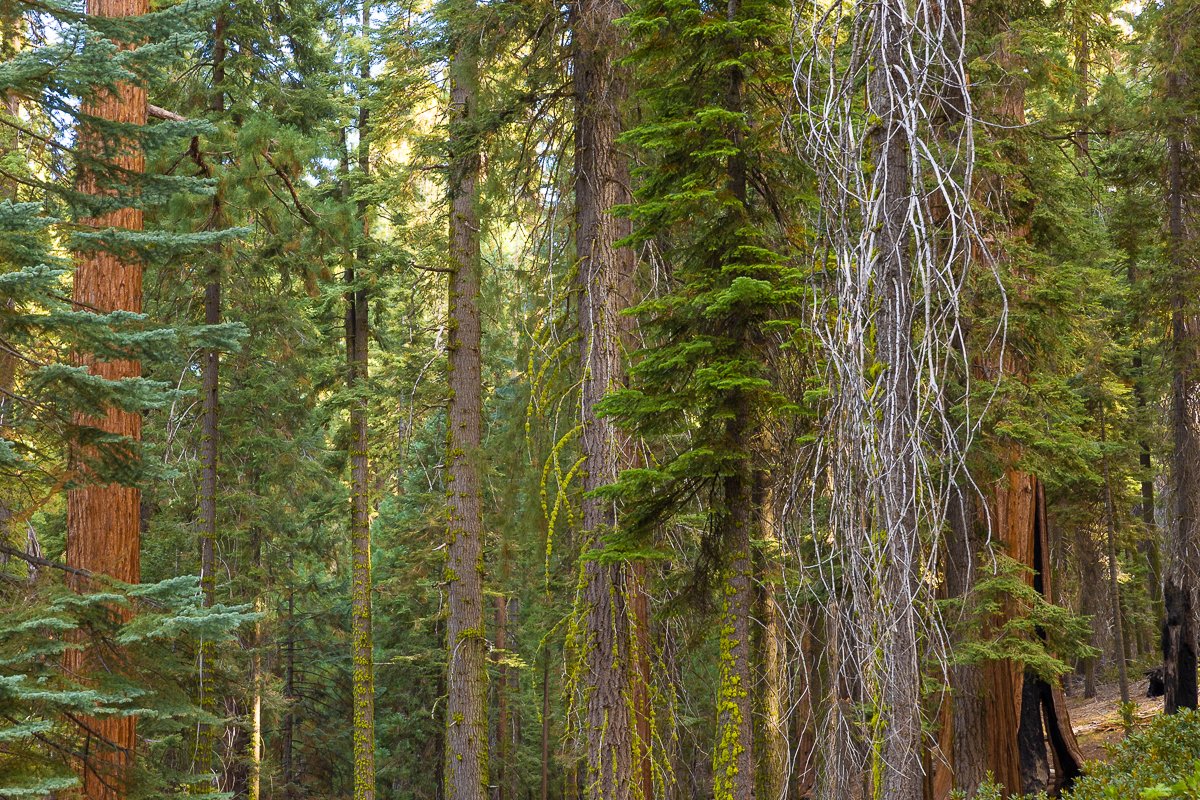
{"x": 1006, "y": 618}
{"x": 732, "y": 284}
{"x": 144, "y": 668}
{"x": 44, "y": 217}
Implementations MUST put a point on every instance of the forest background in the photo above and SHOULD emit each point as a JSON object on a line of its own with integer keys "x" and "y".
{"x": 655, "y": 400}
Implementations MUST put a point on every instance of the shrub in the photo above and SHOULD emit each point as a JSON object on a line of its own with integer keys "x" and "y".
{"x": 1160, "y": 762}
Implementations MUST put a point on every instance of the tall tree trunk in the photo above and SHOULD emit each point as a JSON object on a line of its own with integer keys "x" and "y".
{"x": 1114, "y": 586}
{"x": 209, "y": 444}
{"x": 1083, "y": 59}
{"x": 1031, "y": 743}
{"x": 12, "y": 41}
{"x": 254, "y": 788}
{"x": 499, "y": 655}
{"x": 466, "y": 677}
{"x": 1148, "y": 543}
{"x": 774, "y": 760}
{"x": 901, "y": 777}
{"x": 1179, "y": 627}
{"x": 1089, "y": 575}
{"x": 546, "y": 723}
{"x": 969, "y": 731}
{"x": 639, "y": 599}
{"x": 734, "y": 775}
{"x": 733, "y": 755}
{"x": 357, "y": 342}
{"x": 104, "y": 520}
{"x": 964, "y": 735}
{"x": 605, "y": 286}
{"x": 1040, "y": 706}
{"x": 1017, "y": 514}
{"x": 802, "y": 771}
{"x": 287, "y": 762}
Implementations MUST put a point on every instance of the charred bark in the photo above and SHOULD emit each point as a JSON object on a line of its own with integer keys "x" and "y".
{"x": 1179, "y": 591}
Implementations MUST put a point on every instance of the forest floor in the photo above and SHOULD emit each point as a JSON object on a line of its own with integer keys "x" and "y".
{"x": 1097, "y": 721}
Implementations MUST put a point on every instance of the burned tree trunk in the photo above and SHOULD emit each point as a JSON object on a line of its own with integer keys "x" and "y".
{"x": 1179, "y": 627}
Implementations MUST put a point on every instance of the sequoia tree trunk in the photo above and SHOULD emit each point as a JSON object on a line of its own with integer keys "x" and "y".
{"x": 1017, "y": 515}
{"x": 104, "y": 519}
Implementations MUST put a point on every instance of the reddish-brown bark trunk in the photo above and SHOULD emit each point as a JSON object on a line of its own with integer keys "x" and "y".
{"x": 209, "y": 444}
{"x": 1019, "y": 717}
{"x": 104, "y": 519}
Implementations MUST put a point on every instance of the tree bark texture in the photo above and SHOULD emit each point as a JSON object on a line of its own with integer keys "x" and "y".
{"x": 257, "y": 682}
{"x": 968, "y": 728}
{"x": 1179, "y": 591}
{"x": 734, "y": 776}
{"x": 466, "y": 676}
{"x": 1019, "y": 516}
{"x": 733, "y": 756}
{"x": 639, "y": 599}
{"x": 774, "y": 656}
{"x": 901, "y": 775}
{"x": 503, "y": 734}
{"x": 104, "y": 519}
{"x": 209, "y": 444}
{"x": 1017, "y": 513}
{"x": 357, "y": 353}
{"x": 287, "y": 760}
{"x": 604, "y": 292}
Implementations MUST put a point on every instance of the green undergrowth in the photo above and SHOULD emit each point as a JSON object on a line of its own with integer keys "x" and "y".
{"x": 1159, "y": 762}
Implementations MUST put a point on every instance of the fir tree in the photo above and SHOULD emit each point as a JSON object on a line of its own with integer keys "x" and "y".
{"x": 705, "y": 205}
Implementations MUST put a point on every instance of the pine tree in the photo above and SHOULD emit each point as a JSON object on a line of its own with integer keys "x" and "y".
{"x": 357, "y": 343}
{"x": 605, "y": 288}
{"x": 104, "y": 519}
{"x": 466, "y": 704}
{"x": 1179, "y": 592}
{"x": 704, "y": 201}
{"x": 210, "y": 380}
{"x": 109, "y": 58}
